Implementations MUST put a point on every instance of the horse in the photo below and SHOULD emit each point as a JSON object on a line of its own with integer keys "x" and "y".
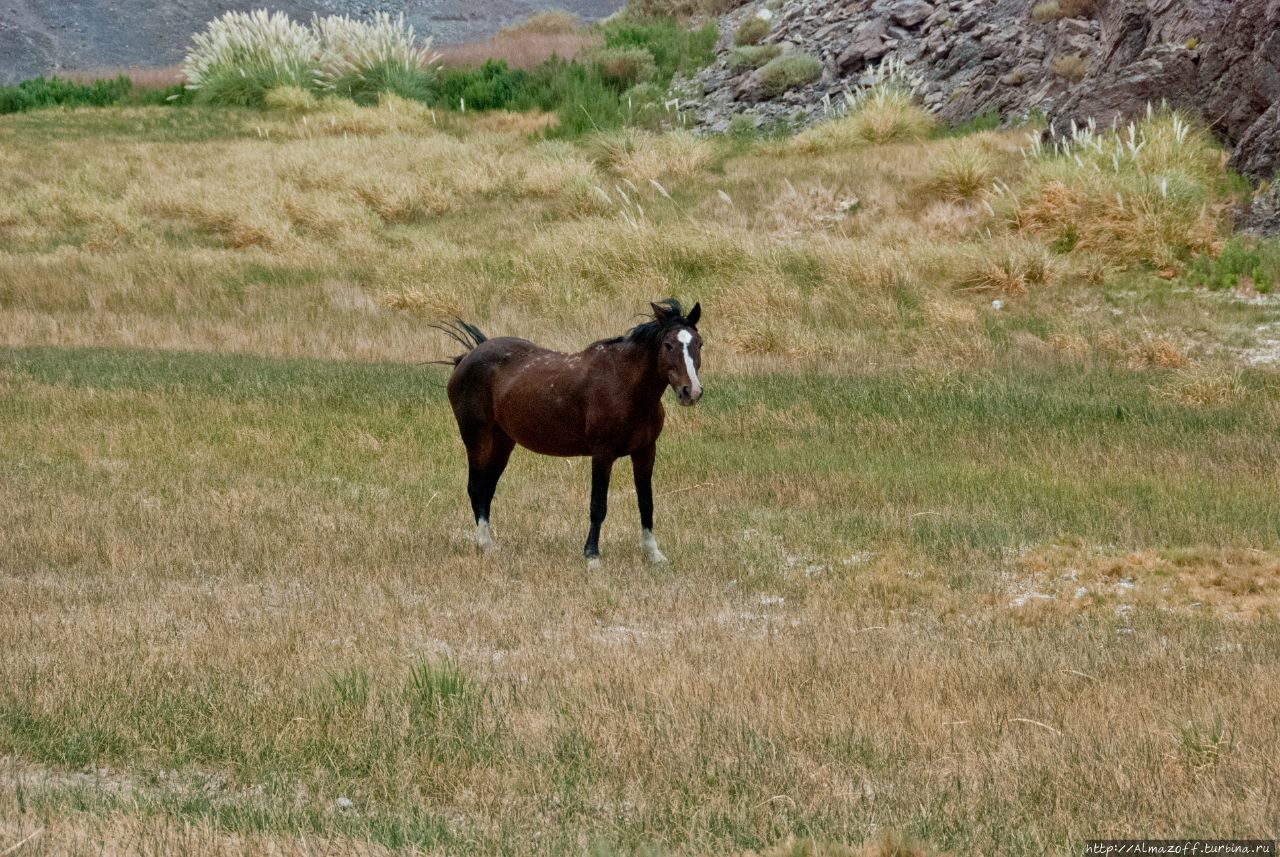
{"x": 604, "y": 402}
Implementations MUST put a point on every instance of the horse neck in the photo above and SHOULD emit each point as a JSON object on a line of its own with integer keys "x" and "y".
{"x": 641, "y": 364}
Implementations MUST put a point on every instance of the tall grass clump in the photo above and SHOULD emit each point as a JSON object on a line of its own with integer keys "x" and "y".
{"x": 242, "y": 55}
{"x": 962, "y": 173}
{"x": 365, "y": 59}
{"x": 1154, "y": 192}
{"x": 883, "y": 113}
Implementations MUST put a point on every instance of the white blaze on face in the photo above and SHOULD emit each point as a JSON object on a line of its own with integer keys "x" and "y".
{"x": 695, "y": 388}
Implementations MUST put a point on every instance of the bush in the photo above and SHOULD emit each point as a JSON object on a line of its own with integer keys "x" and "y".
{"x": 673, "y": 48}
{"x": 751, "y": 31}
{"x": 55, "y": 91}
{"x": 646, "y": 107}
{"x": 783, "y": 73}
{"x": 625, "y": 67}
{"x": 1240, "y": 262}
{"x": 240, "y": 56}
{"x": 493, "y": 86}
{"x": 752, "y": 56}
{"x": 363, "y": 60}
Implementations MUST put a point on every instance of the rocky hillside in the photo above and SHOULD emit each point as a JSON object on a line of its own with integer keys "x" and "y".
{"x": 1067, "y": 59}
{"x": 39, "y": 37}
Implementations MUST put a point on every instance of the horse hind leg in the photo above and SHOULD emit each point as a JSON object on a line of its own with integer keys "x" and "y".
{"x": 487, "y": 455}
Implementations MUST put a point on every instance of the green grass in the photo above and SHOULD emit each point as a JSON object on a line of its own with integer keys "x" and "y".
{"x": 985, "y": 458}
{"x": 41, "y": 92}
{"x": 223, "y": 471}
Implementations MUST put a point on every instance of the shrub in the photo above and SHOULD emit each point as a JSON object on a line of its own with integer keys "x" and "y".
{"x": 752, "y": 56}
{"x": 1046, "y": 12}
{"x": 783, "y": 73}
{"x": 55, "y": 91}
{"x": 493, "y": 86}
{"x": 673, "y": 48}
{"x": 362, "y": 60}
{"x": 581, "y": 99}
{"x": 240, "y": 56}
{"x": 1239, "y": 263}
{"x": 625, "y": 67}
{"x": 751, "y": 31}
{"x": 1069, "y": 66}
{"x": 646, "y": 107}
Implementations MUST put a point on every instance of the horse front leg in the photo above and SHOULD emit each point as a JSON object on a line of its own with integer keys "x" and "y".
{"x": 642, "y": 467}
{"x": 601, "y": 467}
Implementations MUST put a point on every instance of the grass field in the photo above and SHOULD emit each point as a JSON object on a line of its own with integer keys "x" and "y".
{"x": 974, "y": 537}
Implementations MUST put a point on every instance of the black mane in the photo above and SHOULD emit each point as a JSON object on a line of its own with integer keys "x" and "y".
{"x": 651, "y": 331}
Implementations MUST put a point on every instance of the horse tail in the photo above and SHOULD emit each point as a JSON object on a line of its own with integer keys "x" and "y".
{"x": 466, "y": 335}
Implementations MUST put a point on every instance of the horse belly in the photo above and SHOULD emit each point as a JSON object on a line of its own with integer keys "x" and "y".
{"x": 545, "y": 422}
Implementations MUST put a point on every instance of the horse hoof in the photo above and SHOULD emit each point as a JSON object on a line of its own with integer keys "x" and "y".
{"x": 593, "y": 563}
{"x": 657, "y": 558}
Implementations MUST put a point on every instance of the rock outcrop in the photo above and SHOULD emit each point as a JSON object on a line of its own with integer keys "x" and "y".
{"x": 1219, "y": 58}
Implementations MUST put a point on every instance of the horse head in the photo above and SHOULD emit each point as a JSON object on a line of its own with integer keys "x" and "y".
{"x": 679, "y": 349}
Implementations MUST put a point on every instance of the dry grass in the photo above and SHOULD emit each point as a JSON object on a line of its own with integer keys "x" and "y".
{"x": 240, "y": 608}
{"x": 644, "y": 158}
{"x": 883, "y": 114}
{"x": 1045, "y": 12}
{"x": 1149, "y": 193}
{"x": 1072, "y": 67}
{"x": 143, "y": 78}
{"x": 528, "y": 43}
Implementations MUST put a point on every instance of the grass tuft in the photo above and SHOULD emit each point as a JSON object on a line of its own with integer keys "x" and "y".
{"x": 885, "y": 113}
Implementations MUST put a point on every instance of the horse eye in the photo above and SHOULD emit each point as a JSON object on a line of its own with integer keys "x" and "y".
{"x": 668, "y": 345}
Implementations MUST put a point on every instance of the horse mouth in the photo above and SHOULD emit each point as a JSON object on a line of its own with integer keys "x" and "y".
{"x": 687, "y": 399}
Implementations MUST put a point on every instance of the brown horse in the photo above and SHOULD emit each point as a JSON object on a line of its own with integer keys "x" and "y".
{"x": 605, "y": 402}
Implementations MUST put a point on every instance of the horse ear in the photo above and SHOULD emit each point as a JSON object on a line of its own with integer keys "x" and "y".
{"x": 694, "y": 315}
{"x": 660, "y": 312}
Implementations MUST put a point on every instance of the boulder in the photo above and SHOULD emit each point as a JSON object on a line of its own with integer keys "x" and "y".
{"x": 910, "y": 13}
{"x": 866, "y": 46}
